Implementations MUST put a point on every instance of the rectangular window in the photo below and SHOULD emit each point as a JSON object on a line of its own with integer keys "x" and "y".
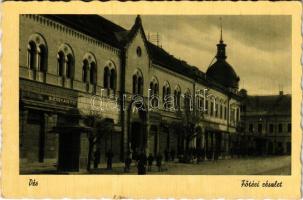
{"x": 217, "y": 110}
{"x": 221, "y": 111}
{"x": 206, "y": 106}
{"x": 259, "y": 128}
{"x": 289, "y": 128}
{"x": 250, "y": 128}
{"x": 271, "y": 128}
{"x": 280, "y": 128}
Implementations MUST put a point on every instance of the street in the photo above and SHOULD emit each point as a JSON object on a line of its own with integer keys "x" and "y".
{"x": 276, "y": 165}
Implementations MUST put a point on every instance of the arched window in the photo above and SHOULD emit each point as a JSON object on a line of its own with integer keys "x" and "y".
{"x": 151, "y": 87}
{"x": 140, "y": 86}
{"x": 105, "y": 78}
{"x": 93, "y": 73}
{"x": 31, "y": 51}
{"x": 60, "y": 60}
{"x": 42, "y": 58}
{"x": 177, "y": 97}
{"x": 166, "y": 94}
{"x": 37, "y": 53}
{"x": 66, "y": 61}
{"x": 135, "y": 84}
{"x": 138, "y": 83}
{"x": 69, "y": 66}
{"x": 85, "y": 71}
{"x": 89, "y": 69}
{"x": 187, "y": 100}
{"x": 112, "y": 79}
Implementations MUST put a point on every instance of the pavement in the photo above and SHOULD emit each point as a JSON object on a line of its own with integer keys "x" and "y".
{"x": 277, "y": 165}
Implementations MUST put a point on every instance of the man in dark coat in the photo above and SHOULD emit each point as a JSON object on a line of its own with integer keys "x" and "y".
{"x": 159, "y": 162}
{"x": 150, "y": 161}
{"x": 96, "y": 158}
{"x": 142, "y": 160}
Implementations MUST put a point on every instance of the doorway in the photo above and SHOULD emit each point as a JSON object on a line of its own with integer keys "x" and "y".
{"x": 69, "y": 150}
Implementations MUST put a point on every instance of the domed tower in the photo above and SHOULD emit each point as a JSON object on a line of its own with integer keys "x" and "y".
{"x": 221, "y": 71}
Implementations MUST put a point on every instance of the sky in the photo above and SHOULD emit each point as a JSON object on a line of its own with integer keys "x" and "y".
{"x": 258, "y": 47}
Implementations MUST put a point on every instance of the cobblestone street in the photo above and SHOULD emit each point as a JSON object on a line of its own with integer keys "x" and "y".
{"x": 278, "y": 165}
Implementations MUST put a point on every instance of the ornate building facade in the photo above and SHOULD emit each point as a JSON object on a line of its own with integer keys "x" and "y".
{"x": 82, "y": 63}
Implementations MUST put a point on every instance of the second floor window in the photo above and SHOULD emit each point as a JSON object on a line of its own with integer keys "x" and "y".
{"x": 37, "y": 53}
{"x": 109, "y": 78}
{"x": 138, "y": 83}
{"x": 65, "y": 61}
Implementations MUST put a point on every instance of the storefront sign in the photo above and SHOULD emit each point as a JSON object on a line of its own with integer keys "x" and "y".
{"x": 48, "y": 98}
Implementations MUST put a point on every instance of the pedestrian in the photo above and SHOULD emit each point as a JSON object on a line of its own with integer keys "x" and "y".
{"x": 128, "y": 162}
{"x": 109, "y": 156}
{"x": 172, "y": 154}
{"x": 150, "y": 162}
{"x": 159, "y": 162}
{"x": 166, "y": 154}
{"x": 96, "y": 158}
{"x": 142, "y": 164}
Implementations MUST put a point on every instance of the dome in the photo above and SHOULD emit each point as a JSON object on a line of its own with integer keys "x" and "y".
{"x": 223, "y": 73}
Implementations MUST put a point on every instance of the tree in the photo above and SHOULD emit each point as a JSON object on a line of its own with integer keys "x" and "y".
{"x": 101, "y": 128}
{"x": 192, "y": 118}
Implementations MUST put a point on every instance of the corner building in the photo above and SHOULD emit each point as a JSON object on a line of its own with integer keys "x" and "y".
{"x": 68, "y": 60}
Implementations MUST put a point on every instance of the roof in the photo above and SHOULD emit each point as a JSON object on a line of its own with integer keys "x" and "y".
{"x": 163, "y": 58}
{"x": 222, "y": 72}
{"x": 104, "y": 30}
{"x": 93, "y": 25}
{"x": 270, "y": 104}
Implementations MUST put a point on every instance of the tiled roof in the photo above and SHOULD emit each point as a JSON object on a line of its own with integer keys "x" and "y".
{"x": 270, "y": 104}
{"x": 93, "y": 25}
{"x": 104, "y": 30}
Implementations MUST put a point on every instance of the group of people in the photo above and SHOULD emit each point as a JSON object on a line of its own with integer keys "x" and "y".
{"x": 143, "y": 161}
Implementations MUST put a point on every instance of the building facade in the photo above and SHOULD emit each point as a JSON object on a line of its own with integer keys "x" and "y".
{"x": 74, "y": 65}
{"x": 266, "y": 125}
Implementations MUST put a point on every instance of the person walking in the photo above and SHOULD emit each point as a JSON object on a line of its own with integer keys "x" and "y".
{"x": 142, "y": 164}
{"x": 127, "y": 162}
{"x": 150, "y": 162}
{"x": 166, "y": 154}
{"x": 159, "y": 162}
{"x": 96, "y": 158}
{"x": 172, "y": 154}
{"x": 109, "y": 156}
